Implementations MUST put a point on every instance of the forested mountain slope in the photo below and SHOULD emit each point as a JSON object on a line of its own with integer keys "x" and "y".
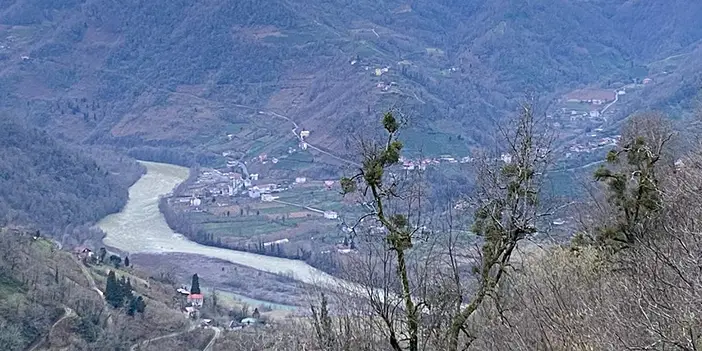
{"x": 45, "y": 183}
{"x": 183, "y": 73}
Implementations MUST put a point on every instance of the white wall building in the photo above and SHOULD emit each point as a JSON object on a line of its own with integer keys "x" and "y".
{"x": 506, "y": 158}
{"x": 331, "y": 215}
{"x": 300, "y": 180}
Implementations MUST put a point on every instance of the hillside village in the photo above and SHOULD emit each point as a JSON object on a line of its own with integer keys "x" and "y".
{"x": 585, "y": 116}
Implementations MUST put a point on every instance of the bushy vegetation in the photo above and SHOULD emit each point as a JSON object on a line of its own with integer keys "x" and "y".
{"x": 52, "y": 185}
{"x": 50, "y": 300}
{"x": 629, "y": 280}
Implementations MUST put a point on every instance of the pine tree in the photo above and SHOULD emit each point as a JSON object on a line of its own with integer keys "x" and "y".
{"x": 195, "y": 286}
{"x": 113, "y": 291}
{"x": 126, "y": 261}
{"x": 132, "y": 308}
{"x": 140, "y": 305}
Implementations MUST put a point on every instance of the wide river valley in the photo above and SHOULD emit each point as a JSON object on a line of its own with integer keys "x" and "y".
{"x": 141, "y": 228}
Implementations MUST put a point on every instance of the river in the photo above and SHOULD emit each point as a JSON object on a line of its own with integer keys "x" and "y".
{"x": 140, "y": 227}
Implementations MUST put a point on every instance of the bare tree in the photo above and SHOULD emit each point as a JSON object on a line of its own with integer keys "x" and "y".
{"x": 633, "y": 179}
{"x": 507, "y": 212}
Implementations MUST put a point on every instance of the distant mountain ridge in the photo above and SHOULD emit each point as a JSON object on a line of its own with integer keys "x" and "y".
{"x": 177, "y": 73}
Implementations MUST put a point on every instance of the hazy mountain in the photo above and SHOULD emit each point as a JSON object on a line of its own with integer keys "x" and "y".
{"x": 166, "y": 73}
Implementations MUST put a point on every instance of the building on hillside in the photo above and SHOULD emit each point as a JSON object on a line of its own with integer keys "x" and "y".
{"x": 331, "y": 215}
{"x": 196, "y": 300}
{"x": 594, "y": 113}
{"x": 506, "y": 158}
{"x": 249, "y": 321}
{"x": 591, "y": 96}
{"x": 83, "y": 253}
{"x": 267, "y": 197}
{"x": 300, "y": 180}
{"x": 647, "y": 80}
{"x": 195, "y": 202}
{"x": 265, "y": 188}
{"x": 254, "y": 194}
{"x": 191, "y": 312}
{"x": 303, "y": 146}
{"x": 304, "y": 133}
{"x": 329, "y": 183}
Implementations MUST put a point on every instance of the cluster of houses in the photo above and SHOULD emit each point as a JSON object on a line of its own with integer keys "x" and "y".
{"x": 594, "y": 144}
{"x": 422, "y": 164}
{"x": 591, "y": 96}
{"x": 216, "y": 183}
{"x": 194, "y": 303}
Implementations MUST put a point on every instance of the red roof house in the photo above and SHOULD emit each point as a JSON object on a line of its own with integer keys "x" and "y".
{"x": 196, "y": 299}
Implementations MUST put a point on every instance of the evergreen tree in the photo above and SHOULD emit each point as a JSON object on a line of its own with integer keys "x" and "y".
{"x": 113, "y": 291}
{"x": 126, "y": 261}
{"x": 126, "y": 287}
{"x": 132, "y": 308}
{"x": 102, "y": 255}
{"x": 140, "y": 305}
{"x": 195, "y": 286}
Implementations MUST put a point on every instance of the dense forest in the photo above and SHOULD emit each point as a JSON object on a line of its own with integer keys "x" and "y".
{"x": 51, "y": 185}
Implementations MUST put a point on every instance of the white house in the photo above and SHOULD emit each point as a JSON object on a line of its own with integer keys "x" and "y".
{"x": 254, "y": 176}
{"x": 506, "y": 158}
{"x": 304, "y": 133}
{"x": 331, "y": 215}
{"x": 195, "y": 202}
{"x": 594, "y": 113}
{"x": 300, "y": 180}
{"x": 267, "y": 197}
{"x": 254, "y": 194}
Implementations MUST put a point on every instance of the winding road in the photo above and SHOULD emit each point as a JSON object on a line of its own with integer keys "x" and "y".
{"x": 208, "y": 347}
{"x": 235, "y": 105}
{"x": 67, "y": 313}
{"x": 218, "y": 332}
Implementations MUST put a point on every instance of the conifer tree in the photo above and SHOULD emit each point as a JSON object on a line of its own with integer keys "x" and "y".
{"x": 113, "y": 291}
{"x": 126, "y": 261}
{"x": 195, "y": 286}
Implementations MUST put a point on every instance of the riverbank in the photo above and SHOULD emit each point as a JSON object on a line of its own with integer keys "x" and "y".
{"x": 141, "y": 229}
{"x": 247, "y": 285}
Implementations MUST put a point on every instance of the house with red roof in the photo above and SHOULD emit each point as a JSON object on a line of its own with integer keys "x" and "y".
{"x": 196, "y": 299}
